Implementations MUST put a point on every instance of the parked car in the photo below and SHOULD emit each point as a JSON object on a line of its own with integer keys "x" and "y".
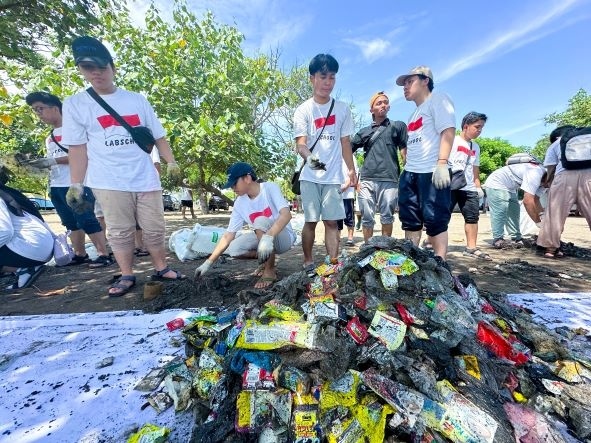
{"x": 176, "y": 203}
{"x": 216, "y": 202}
{"x": 168, "y": 202}
{"x": 42, "y": 203}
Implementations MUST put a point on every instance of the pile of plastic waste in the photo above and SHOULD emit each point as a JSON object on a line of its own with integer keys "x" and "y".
{"x": 386, "y": 345}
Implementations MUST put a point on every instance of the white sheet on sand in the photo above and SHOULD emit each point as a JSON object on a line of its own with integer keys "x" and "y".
{"x": 557, "y": 309}
{"x": 51, "y": 391}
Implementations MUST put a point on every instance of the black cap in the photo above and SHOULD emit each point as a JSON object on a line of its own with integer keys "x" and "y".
{"x": 238, "y": 170}
{"x": 89, "y": 49}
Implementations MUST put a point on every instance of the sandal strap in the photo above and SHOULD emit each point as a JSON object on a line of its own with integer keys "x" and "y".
{"x": 164, "y": 271}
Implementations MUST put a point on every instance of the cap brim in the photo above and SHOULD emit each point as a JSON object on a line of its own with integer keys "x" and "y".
{"x": 100, "y": 62}
{"x": 400, "y": 80}
{"x": 231, "y": 182}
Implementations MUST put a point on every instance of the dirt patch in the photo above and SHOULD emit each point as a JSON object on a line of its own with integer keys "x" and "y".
{"x": 80, "y": 289}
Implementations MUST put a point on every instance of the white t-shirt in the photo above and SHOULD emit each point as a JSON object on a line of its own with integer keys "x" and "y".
{"x": 425, "y": 126}
{"x": 308, "y": 120}
{"x": 464, "y": 156}
{"x": 267, "y": 204}
{"x": 115, "y": 162}
{"x": 186, "y": 195}
{"x": 553, "y": 156}
{"x": 59, "y": 175}
{"x": 26, "y": 236}
{"x": 526, "y": 176}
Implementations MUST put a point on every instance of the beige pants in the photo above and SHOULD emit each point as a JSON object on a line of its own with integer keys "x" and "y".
{"x": 123, "y": 210}
{"x": 568, "y": 188}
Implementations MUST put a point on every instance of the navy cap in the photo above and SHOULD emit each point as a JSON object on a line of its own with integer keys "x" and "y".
{"x": 238, "y": 170}
{"x": 89, "y": 49}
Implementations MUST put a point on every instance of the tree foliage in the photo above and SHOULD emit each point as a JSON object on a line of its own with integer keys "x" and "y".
{"x": 493, "y": 154}
{"x": 28, "y": 25}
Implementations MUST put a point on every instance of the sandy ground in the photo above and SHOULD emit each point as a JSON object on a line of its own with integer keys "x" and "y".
{"x": 79, "y": 289}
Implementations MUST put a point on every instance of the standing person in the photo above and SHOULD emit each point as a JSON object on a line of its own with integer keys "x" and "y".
{"x": 263, "y": 207}
{"x": 187, "y": 199}
{"x": 121, "y": 174}
{"x": 320, "y": 180}
{"x": 378, "y": 178}
{"x": 501, "y": 190}
{"x": 567, "y": 187}
{"x": 465, "y": 156}
{"x": 48, "y": 108}
{"x": 424, "y": 193}
{"x": 348, "y": 193}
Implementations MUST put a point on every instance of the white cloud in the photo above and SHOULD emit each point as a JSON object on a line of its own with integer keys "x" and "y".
{"x": 375, "y": 49}
{"x": 525, "y": 31}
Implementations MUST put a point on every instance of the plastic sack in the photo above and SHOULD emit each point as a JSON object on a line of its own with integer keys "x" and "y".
{"x": 180, "y": 243}
{"x": 62, "y": 251}
{"x": 149, "y": 433}
{"x": 205, "y": 238}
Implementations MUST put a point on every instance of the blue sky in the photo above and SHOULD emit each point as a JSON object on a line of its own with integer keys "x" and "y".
{"x": 516, "y": 61}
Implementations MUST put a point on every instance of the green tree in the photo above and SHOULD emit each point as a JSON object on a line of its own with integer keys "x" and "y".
{"x": 493, "y": 154}
{"x": 28, "y": 26}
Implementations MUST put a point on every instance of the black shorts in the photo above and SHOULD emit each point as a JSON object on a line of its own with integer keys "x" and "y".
{"x": 349, "y": 204}
{"x": 469, "y": 203}
{"x": 187, "y": 203}
{"x": 11, "y": 259}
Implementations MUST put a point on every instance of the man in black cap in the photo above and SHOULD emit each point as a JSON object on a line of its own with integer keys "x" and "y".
{"x": 262, "y": 207}
{"x": 106, "y": 157}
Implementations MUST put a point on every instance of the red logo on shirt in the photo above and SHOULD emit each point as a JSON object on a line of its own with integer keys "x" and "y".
{"x": 264, "y": 213}
{"x": 331, "y": 120}
{"x": 417, "y": 124}
{"x": 466, "y": 151}
{"x": 58, "y": 138}
{"x": 106, "y": 121}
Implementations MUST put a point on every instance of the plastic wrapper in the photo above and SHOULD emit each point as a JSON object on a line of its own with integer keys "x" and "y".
{"x": 372, "y": 416}
{"x": 492, "y": 339}
{"x": 407, "y": 403}
{"x": 276, "y": 335}
{"x": 151, "y": 380}
{"x": 341, "y": 392}
{"x": 357, "y": 330}
{"x": 572, "y": 371}
{"x": 530, "y": 426}
{"x": 327, "y": 310}
{"x": 448, "y": 312}
{"x": 258, "y": 409}
{"x": 255, "y": 377}
{"x": 389, "y": 278}
{"x": 469, "y": 364}
{"x": 206, "y": 381}
{"x": 179, "y": 389}
{"x": 274, "y": 309}
{"x": 149, "y": 433}
{"x": 177, "y": 323}
{"x": 304, "y": 420}
{"x": 293, "y": 379}
{"x": 457, "y": 418}
{"x": 160, "y": 401}
{"x": 388, "y": 330}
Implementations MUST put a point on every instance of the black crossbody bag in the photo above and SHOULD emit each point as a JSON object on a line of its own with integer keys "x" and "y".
{"x": 142, "y": 136}
{"x": 295, "y": 179}
{"x": 458, "y": 178}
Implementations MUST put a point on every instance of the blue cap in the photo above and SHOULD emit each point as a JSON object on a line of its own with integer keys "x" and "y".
{"x": 238, "y": 170}
{"x": 89, "y": 49}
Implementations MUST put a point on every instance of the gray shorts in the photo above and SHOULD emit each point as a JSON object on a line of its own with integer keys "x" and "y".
{"x": 377, "y": 196}
{"x": 282, "y": 242}
{"x": 321, "y": 201}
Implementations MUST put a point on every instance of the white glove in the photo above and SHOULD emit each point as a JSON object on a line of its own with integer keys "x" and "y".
{"x": 441, "y": 177}
{"x": 75, "y": 197}
{"x": 202, "y": 269}
{"x": 265, "y": 248}
{"x": 314, "y": 162}
{"x": 42, "y": 163}
{"x": 480, "y": 192}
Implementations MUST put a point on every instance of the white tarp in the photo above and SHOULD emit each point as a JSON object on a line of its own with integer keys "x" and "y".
{"x": 557, "y": 309}
{"x": 51, "y": 391}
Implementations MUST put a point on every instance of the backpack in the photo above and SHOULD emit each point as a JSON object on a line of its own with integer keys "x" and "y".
{"x": 575, "y": 148}
{"x": 522, "y": 157}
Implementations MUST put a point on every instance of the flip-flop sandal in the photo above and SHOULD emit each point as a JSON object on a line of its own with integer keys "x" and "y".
{"x": 33, "y": 272}
{"x": 553, "y": 253}
{"x": 349, "y": 243}
{"x": 258, "y": 272}
{"x": 477, "y": 253}
{"x": 79, "y": 259}
{"x": 310, "y": 270}
{"x": 268, "y": 280}
{"x": 101, "y": 261}
{"x": 159, "y": 275}
{"x": 139, "y": 252}
{"x": 123, "y": 288}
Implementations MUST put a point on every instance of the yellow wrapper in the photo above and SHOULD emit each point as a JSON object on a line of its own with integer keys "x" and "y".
{"x": 276, "y": 334}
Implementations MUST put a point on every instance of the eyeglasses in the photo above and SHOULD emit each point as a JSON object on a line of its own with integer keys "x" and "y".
{"x": 40, "y": 109}
{"x": 91, "y": 67}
